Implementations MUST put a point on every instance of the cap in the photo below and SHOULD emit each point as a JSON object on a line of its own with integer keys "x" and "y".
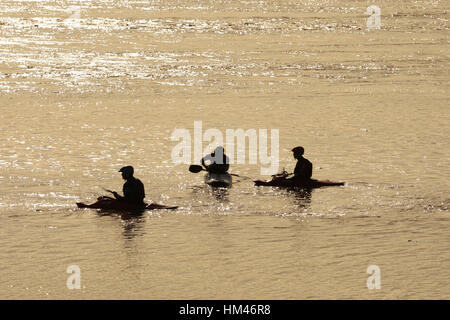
{"x": 127, "y": 169}
{"x": 298, "y": 149}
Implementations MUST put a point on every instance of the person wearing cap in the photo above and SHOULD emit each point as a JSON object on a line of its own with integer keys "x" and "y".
{"x": 133, "y": 189}
{"x": 303, "y": 168}
{"x": 218, "y": 161}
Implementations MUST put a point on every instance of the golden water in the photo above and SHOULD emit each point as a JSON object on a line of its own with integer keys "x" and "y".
{"x": 81, "y": 98}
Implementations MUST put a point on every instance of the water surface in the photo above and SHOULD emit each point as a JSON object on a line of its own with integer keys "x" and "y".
{"x": 81, "y": 98}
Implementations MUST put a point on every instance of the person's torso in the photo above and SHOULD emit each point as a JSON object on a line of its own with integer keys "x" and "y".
{"x": 133, "y": 190}
{"x": 303, "y": 168}
{"x": 220, "y": 165}
{"x": 217, "y": 160}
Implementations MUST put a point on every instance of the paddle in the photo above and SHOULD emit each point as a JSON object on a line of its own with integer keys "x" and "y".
{"x": 194, "y": 168}
{"x": 107, "y": 190}
{"x": 282, "y": 175}
{"x": 106, "y": 197}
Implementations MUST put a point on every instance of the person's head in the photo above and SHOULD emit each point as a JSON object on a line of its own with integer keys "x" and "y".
{"x": 298, "y": 152}
{"x": 218, "y": 155}
{"x": 127, "y": 172}
{"x": 219, "y": 151}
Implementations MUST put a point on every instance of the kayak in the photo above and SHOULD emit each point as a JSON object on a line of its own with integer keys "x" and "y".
{"x": 304, "y": 184}
{"x": 122, "y": 206}
{"x": 116, "y": 205}
{"x": 222, "y": 180}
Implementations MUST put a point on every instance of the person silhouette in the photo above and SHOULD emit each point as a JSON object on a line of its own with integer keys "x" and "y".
{"x": 133, "y": 189}
{"x": 218, "y": 161}
{"x": 303, "y": 168}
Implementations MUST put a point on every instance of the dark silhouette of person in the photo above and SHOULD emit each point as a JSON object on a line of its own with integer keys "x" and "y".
{"x": 218, "y": 161}
{"x": 133, "y": 189}
{"x": 303, "y": 168}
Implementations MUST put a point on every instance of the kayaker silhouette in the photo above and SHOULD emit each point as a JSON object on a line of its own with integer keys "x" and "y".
{"x": 302, "y": 175}
{"x": 302, "y": 172}
{"x": 217, "y": 161}
{"x": 133, "y": 189}
{"x": 303, "y": 168}
{"x": 132, "y": 199}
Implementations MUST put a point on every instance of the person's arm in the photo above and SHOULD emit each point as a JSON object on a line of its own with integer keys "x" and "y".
{"x": 130, "y": 191}
{"x": 118, "y": 196}
{"x": 309, "y": 170}
{"x": 124, "y": 190}
{"x": 141, "y": 190}
{"x": 297, "y": 170}
{"x": 204, "y": 163}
